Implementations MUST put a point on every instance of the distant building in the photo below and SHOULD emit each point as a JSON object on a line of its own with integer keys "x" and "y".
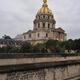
{"x": 19, "y": 37}
{"x": 44, "y": 27}
{"x": 7, "y": 41}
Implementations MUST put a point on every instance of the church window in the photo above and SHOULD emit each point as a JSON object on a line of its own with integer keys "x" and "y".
{"x": 48, "y": 25}
{"x": 38, "y": 25}
{"x": 44, "y": 16}
{"x": 38, "y": 34}
{"x": 43, "y": 25}
{"x": 46, "y": 35}
{"x": 29, "y": 35}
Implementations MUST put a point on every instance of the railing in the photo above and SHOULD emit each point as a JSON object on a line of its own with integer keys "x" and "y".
{"x": 26, "y": 55}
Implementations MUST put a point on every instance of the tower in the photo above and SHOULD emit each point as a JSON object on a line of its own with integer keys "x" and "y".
{"x": 44, "y": 18}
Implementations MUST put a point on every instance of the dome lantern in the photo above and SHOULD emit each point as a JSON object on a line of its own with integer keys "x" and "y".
{"x": 44, "y": 9}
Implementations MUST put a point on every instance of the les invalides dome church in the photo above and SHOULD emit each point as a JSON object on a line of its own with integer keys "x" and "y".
{"x": 44, "y": 27}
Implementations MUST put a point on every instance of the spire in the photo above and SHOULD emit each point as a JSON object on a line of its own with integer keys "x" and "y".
{"x": 45, "y": 1}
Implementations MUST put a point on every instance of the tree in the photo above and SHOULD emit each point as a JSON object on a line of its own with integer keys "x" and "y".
{"x": 52, "y": 45}
{"x": 14, "y": 50}
{"x": 26, "y": 47}
{"x": 68, "y": 45}
{"x": 77, "y": 45}
{"x": 39, "y": 48}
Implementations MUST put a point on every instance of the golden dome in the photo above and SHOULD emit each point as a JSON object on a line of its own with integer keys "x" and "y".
{"x": 44, "y": 9}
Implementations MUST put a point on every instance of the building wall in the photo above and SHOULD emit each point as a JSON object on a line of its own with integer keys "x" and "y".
{"x": 35, "y": 67}
{"x": 70, "y": 72}
{"x": 41, "y": 35}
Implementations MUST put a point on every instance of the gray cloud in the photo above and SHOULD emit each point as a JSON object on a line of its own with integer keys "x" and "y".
{"x": 16, "y": 16}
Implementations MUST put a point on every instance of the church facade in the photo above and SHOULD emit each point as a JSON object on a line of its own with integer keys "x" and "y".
{"x": 44, "y": 27}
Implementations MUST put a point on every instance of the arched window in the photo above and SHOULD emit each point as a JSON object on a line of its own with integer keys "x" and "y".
{"x": 29, "y": 35}
{"x": 46, "y": 35}
{"x": 48, "y": 25}
{"x": 38, "y": 34}
{"x": 43, "y": 25}
{"x": 43, "y": 16}
{"x": 38, "y": 25}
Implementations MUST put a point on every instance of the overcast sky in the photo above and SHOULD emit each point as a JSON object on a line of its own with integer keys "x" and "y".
{"x": 16, "y": 16}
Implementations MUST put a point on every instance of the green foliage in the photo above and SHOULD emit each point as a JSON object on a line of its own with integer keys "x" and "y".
{"x": 51, "y": 46}
{"x": 5, "y": 49}
{"x": 26, "y": 47}
{"x": 14, "y": 50}
{"x": 77, "y": 45}
{"x": 72, "y": 45}
{"x": 39, "y": 48}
